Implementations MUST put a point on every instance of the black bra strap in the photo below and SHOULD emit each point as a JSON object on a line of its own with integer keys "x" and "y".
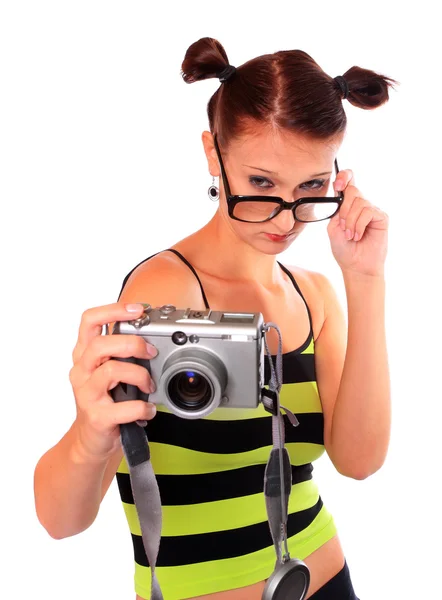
{"x": 299, "y": 292}
{"x": 185, "y": 261}
{"x": 182, "y": 258}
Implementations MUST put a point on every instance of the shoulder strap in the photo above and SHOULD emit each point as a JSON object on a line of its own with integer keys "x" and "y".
{"x": 297, "y": 288}
{"x": 185, "y": 262}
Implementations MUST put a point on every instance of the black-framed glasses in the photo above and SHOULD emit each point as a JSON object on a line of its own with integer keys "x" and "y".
{"x": 259, "y": 209}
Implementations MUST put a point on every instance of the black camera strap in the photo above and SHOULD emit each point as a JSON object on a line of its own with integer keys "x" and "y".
{"x": 278, "y": 474}
{"x": 143, "y": 483}
{"x": 277, "y": 478}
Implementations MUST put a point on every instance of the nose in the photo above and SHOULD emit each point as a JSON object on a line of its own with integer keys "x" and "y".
{"x": 284, "y": 221}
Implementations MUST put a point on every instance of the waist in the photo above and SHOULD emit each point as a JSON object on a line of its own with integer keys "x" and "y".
{"x": 187, "y": 579}
{"x": 323, "y": 564}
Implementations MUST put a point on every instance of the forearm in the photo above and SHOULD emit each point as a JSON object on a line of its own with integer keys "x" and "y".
{"x": 362, "y": 415}
{"x": 67, "y": 487}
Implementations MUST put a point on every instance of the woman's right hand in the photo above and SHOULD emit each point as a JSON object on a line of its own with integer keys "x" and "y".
{"x": 94, "y": 374}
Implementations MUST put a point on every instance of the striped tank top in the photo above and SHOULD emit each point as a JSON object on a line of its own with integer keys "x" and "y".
{"x": 210, "y": 473}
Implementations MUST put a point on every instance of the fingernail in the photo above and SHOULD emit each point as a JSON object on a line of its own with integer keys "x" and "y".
{"x": 343, "y": 224}
{"x": 339, "y": 185}
{"x": 152, "y": 387}
{"x": 356, "y": 238}
{"x": 151, "y": 350}
{"x": 133, "y": 308}
{"x": 348, "y": 234}
{"x": 153, "y": 409}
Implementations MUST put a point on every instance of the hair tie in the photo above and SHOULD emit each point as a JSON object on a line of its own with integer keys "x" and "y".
{"x": 343, "y": 86}
{"x": 226, "y": 73}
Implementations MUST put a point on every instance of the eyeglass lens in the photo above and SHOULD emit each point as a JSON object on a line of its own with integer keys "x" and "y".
{"x": 257, "y": 212}
{"x": 260, "y": 211}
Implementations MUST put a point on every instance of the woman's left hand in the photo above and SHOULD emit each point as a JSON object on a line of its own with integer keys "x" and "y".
{"x": 358, "y": 232}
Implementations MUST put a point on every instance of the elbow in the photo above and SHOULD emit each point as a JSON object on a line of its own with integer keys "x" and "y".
{"x": 54, "y": 532}
{"x": 358, "y": 470}
{"x": 60, "y": 533}
{"x": 60, "y": 530}
{"x": 56, "y": 535}
{"x": 357, "y": 465}
{"x": 358, "y": 475}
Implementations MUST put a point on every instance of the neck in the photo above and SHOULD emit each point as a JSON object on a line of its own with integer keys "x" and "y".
{"x": 228, "y": 257}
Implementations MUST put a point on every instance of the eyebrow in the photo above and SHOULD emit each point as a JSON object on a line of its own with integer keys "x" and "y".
{"x": 276, "y": 173}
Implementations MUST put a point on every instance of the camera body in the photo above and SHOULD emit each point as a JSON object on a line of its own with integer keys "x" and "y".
{"x": 206, "y": 359}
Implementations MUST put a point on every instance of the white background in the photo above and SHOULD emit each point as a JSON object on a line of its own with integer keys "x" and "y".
{"x": 98, "y": 132}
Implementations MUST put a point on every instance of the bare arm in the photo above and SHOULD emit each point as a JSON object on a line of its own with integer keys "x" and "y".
{"x": 353, "y": 376}
{"x": 67, "y": 487}
{"x": 71, "y": 478}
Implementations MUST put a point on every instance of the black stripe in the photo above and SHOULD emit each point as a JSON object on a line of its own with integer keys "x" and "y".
{"x": 231, "y": 437}
{"x": 209, "y": 487}
{"x": 296, "y": 368}
{"x": 191, "y": 549}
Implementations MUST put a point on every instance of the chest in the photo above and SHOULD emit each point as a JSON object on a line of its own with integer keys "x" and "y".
{"x": 282, "y": 305}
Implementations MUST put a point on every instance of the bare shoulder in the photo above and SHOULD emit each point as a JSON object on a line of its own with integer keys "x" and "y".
{"x": 315, "y": 285}
{"x": 313, "y": 281}
{"x": 163, "y": 279}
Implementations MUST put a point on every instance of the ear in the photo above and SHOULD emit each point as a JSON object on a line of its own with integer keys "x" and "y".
{"x": 212, "y": 157}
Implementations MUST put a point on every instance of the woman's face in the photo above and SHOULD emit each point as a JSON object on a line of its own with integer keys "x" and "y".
{"x": 273, "y": 163}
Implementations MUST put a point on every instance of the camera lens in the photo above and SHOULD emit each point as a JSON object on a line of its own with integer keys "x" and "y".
{"x": 289, "y": 580}
{"x": 190, "y": 390}
{"x": 294, "y": 585}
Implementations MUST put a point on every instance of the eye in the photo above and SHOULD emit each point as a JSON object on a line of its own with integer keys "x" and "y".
{"x": 258, "y": 182}
{"x": 314, "y": 184}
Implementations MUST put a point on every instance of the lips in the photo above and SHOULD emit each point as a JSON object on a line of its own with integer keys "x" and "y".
{"x": 277, "y": 238}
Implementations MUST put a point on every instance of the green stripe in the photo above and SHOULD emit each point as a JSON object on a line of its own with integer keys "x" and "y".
{"x": 301, "y": 397}
{"x": 174, "y": 460}
{"x": 189, "y": 581}
{"x": 223, "y": 514}
{"x": 310, "y": 348}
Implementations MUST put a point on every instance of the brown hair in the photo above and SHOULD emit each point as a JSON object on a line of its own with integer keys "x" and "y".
{"x": 286, "y": 89}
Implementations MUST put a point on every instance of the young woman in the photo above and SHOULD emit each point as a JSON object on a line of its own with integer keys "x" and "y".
{"x": 276, "y": 126}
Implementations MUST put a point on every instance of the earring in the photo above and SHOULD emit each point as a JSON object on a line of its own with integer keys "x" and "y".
{"x": 213, "y": 191}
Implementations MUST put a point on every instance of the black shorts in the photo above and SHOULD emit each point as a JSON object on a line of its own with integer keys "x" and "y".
{"x": 338, "y": 587}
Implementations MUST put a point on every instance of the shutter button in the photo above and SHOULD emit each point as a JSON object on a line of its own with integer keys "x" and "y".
{"x": 166, "y": 309}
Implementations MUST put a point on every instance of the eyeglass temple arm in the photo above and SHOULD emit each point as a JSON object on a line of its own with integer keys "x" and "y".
{"x": 341, "y": 193}
{"x": 223, "y": 173}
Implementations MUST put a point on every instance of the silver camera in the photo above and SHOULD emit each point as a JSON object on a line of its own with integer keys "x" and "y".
{"x": 206, "y": 359}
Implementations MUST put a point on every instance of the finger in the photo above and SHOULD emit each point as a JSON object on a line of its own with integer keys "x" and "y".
{"x": 365, "y": 217}
{"x": 102, "y": 348}
{"x": 110, "y": 374}
{"x": 350, "y": 194}
{"x": 352, "y": 216}
{"x": 93, "y": 319}
{"x": 104, "y": 417}
{"x": 130, "y": 411}
{"x": 343, "y": 180}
